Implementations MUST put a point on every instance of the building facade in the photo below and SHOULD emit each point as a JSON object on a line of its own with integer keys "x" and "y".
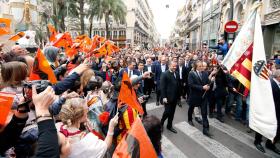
{"x": 204, "y": 20}
{"x": 139, "y": 29}
{"x": 21, "y": 12}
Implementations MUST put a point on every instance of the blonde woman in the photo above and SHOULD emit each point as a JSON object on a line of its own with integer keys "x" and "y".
{"x": 83, "y": 144}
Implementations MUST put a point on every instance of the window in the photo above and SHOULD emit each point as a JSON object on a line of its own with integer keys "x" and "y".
{"x": 103, "y": 33}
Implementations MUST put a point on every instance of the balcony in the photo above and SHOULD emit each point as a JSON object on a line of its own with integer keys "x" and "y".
{"x": 119, "y": 38}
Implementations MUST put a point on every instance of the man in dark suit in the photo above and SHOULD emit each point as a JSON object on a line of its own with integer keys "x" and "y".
{"x": 199, "y": 85}
{"x": 159, "y": 69}
{"x": 188, "y": 66}
{"x": 275, "y": 85}
{"x": 182, "y": 71}
{"x": 169, "y": 85}
{"x": 130, "y": 69}
{"x": 149, "y": 82}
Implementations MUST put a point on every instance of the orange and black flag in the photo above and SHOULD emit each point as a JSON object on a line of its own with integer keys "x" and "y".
{"x": 63, "y": 40}
{"x": 85, "y": 42}
{"x": 6, "y": 101}
{"x": 41, "y": 69}
{"x": 73, "y": 50}
{"x": 52, "y": 31}
{"x": 102, "y": 51}
{"x": 17, "y": 36}
{"x": 111, "y": 48}
{"x": 5, "y": 26}
{"x": 96, "y": 41}
{"x": 128, "y": 96}
{"x": 136, "y": 144}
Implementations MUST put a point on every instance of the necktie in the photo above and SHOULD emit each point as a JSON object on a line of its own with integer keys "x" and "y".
{"x": 174, "y": 75}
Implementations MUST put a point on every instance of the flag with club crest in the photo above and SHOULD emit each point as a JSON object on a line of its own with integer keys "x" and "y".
{"x": 247, "y": 62}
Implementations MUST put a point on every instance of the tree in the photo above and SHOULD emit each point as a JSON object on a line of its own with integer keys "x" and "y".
{"x": 111, "y": 8}
{"x": 94, "y": 9}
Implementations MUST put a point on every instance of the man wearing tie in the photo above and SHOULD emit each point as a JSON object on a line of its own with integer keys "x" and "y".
{"x": 199, "y": 85}
{"x": 169, "y": 85}
{"x": 182, "y": 70}
{"x": 188, "y": 66}
{"x": 159, "y": 69}
{"x": 130, "y": 69}
{"x": 149, "y": 82}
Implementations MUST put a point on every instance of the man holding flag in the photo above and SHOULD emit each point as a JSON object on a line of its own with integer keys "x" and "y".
{"x": 247, "y": 62}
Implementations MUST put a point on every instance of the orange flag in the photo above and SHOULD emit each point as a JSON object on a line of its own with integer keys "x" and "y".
{"x": 53, "y": 32}
{"x": 85, "y": 42}
{"x": 136, "y": 143}
{"x": 5, "y": 26}
{"x": 6, "y": 101}
{"x": 41, "y": 69}
{"x": 17, "y": 36}
{"x": 128, "y": 96}
{"x": 101, "y": 51}
{"x": 111, "y": 48}
{"x": 63, "y": 40}
{"x": 73, "y": 50}
{"x": 96, "y": 41}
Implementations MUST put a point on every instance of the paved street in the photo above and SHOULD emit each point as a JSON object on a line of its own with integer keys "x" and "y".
{"x": 230, "y": 139}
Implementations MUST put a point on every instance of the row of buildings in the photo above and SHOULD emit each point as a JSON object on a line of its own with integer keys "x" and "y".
{"x": 138, "y": 31}
{"x": 202, "y": 21}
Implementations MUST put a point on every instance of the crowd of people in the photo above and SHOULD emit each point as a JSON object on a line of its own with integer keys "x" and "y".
{"x": 79, "y": 116}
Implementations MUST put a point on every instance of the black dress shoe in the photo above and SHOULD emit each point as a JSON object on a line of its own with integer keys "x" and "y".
{"x": 220, "y": 119}
{"x": 260, "y": 147}
{"x": 198, "y": 120}
{"x": 206, "y": 133}
{"x": 157, "y": 103}
{"x": 272, "y": 147}
{"x": 172, "y": 129}
{"x": 191, "y": 123}
{"x": 211, "y": 115}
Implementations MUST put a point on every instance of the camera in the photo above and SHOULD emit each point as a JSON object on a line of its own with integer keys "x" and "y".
{"x": 41, "y": 85}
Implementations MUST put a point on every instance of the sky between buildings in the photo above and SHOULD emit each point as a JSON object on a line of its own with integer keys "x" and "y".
{"x": 165, "y": 17}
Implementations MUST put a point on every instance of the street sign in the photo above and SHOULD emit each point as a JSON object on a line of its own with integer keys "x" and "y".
{"x": 231, "y": 26}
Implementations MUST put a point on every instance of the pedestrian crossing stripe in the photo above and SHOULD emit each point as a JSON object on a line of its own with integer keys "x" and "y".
{"x": 169, "y": 150}
{"x": 211, "y": 145}
{"x": 152, "y": 106}
{"x": 236, "y": 134}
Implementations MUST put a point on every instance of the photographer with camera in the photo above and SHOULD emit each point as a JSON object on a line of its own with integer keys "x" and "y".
{"x": 222, "y": 47}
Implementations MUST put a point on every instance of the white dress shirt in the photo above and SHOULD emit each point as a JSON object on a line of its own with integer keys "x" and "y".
{"x": 163, "y": 68}
{"x": 180, "y": 72}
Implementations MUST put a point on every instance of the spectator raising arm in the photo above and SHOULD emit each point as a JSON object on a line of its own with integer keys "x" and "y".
{"x": 48, "y": 140}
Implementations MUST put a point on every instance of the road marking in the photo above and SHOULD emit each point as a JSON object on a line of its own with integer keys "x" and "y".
{"x": 152, "y": 106}
{"x": 211, "y": 145}
{"x": 236, "y": 134}
{"x": 169, "y": 150}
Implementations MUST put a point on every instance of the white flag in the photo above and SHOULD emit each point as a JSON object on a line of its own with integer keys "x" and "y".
{"x": 262, "y": 116}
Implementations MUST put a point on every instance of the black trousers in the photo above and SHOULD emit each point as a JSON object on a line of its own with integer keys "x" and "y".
{"x": 169, "y": 111}
{"x": 158, "y": 93}
{"x": 148, "y": 86}
{"x": 203, "y": 108}
{"x": 258, "y": 138}
{"x": 144, "y": 108}
{"x": 182, "y": 90}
